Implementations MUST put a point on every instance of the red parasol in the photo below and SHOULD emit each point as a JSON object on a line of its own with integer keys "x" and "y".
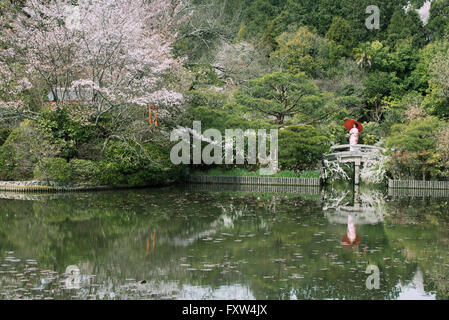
{"x": 345, "y": 242}
{"x": 349, "y": 124}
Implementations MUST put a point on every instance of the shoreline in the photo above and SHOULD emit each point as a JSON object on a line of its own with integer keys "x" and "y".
{"x": 43, "y": 187}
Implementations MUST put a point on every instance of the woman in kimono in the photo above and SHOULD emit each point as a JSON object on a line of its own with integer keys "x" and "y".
{"x": 351, "y": 238}
{"x": 353, "y": 136}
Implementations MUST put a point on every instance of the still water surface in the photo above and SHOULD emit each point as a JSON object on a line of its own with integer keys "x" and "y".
{"x": 197, "y": 243}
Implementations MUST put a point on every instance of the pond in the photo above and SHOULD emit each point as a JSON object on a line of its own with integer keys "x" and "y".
{"x": 201, "y": 242}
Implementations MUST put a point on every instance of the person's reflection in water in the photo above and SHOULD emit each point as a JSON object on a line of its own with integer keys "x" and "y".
{"x": 351, "y": 238}
{"x": 148, "y": 251}
{"x": 154, "y": 238}
{"x": 148, "y": 248}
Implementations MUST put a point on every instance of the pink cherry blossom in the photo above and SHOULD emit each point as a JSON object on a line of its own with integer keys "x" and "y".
{"x": 120, "y": 50}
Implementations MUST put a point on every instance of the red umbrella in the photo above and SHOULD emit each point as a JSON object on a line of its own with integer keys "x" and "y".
{"x": 345, "y": 242}
{"x": 349, "y": 124}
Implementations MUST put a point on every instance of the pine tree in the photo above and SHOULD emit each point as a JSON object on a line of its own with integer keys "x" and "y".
{"x": 396, "y": 26}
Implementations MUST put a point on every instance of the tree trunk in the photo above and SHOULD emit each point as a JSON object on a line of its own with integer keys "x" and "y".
{"x": 280, "y": 119}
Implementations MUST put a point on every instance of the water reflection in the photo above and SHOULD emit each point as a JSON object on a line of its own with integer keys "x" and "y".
{"x": 73, "y": 280}
{"x": 414, "y": 290}
{"x": 148, "y": 249}
{"x": 351, "y": 238}
{"x": 365, "y": 206}
{"x": 226, "y": 292}
{"x": 177, "y": 243}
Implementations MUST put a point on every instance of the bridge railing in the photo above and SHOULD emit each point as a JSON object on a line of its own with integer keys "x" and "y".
{"x": 360, "y": 151}
{"x": 357, "y": 147}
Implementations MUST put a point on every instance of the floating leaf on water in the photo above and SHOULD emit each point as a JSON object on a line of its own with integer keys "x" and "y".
{"x": 31, "y": 269}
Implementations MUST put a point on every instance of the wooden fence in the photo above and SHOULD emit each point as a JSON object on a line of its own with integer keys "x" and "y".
{"x": 418, "y": 193}
{"x": 35, "y": 196}
{"x": 312, "y": 190}
{"x": 254, "y": 180}
{"x": 418, "y": 184}
{"x": 41, "y": 187}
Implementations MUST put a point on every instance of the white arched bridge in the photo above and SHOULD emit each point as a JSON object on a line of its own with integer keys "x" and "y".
{"x": 355, "y": 154}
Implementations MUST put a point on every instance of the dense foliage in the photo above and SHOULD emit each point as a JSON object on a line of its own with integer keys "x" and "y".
{"x": 300, "y": 66}
{"x": 301, "y": 147}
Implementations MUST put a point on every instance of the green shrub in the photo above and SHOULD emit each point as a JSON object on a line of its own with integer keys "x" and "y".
{"x": 110, "y": 173}
{"x": 84, "y": 172}
{"x": 60, "y": 129}
{"x": 122, "y": 165}
{"x": 140, "y": 178}
{"x": 53, "y": 169}
{"x": 7, "y": 162}
{"x": 22, "y": 150}
{"x": 414, "y": 165}
{"x": 336, "y": 132}
{"x": 148, "y": 176}
{"x": 418, "y": 135}
{"x": 301, "y": 147}
{"x": 371, "y": 133}
{"x": 414, "y": 148}
{"x": 4, "y": 134}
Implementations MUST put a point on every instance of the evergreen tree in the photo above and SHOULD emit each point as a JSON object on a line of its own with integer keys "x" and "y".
{"x": 259, "y": 14}
{"x": 396, "y": 27}
{"x": 438, "y": 24}
{"x": 303, "y": 51}
{"x": 340, "y": 32}
{"x": 414, "y": 28}
{"x": 405, "y": 25}
{"x": 281, "y": 94}
{"x": 268, "y": 38}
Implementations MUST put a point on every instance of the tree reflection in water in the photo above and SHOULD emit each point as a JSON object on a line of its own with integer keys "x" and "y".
{"x": 218, "y": 245}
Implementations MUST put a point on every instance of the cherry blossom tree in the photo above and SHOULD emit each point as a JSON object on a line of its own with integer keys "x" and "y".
{"x": 12, "y": 87}
{"x": 110, "y": 56}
